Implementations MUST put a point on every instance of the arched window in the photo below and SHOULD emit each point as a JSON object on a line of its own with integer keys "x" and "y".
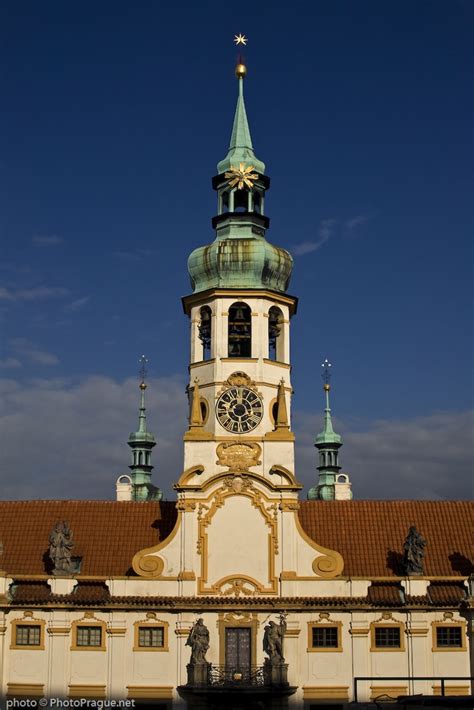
{"x": 240, "y": 201}
{"x": 205, "y": 333}
{"x": 240, "y": 331}
{"x": 275, "y": 339}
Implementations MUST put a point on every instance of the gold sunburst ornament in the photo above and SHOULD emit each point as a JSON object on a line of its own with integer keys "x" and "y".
{"x": 240, "y": 39}
{"x": 241, "y": 177}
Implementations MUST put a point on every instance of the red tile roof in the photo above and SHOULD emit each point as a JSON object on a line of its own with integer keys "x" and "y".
{"x": 106, "y": 533}
{"x": 368, "y": 534}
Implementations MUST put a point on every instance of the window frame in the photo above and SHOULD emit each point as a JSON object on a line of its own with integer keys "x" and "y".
{"x": 27, "y": 622}
{"x": 387, "y": 624}
{"x": 155, "y": 623}
{"x": 435, "y": 625}
{"x": 321, "y": 625}
{"x": 92, "y": 622}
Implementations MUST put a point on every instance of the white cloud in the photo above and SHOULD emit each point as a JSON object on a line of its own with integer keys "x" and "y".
{"x": 47, "y": 240}
{"x": 77, "y": 305}
{"x": 325, "y": 232}
{"x": 77, "y": 432}
{"x": 351, "y": 224}
{"x": 32, "y": 294}
{"x": 10, "y": 363}
{"x": 426, "y": 457}
{"x": 24, "y": 347}
{"x": 76, "y": 443}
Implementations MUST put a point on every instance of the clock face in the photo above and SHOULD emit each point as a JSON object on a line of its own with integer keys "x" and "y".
{"x": 239, "y": 409}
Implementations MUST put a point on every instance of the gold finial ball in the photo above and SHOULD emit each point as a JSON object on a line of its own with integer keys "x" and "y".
{"x": 143, "y": 385}
{"x": 240, "y": 70}
{"x": 327, "y": 387}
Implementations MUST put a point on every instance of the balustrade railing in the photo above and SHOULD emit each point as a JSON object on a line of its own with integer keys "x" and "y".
{"x": 227, "y": 676}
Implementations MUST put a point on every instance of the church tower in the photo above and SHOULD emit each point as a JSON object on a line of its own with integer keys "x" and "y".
{"x": 240, "y": 387}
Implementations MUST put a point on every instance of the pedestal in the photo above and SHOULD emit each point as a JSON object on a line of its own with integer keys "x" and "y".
{"x": 198, "y": 674}
{"x": 275, "y": 674}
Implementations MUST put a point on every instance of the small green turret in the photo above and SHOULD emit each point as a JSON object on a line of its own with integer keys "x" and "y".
{"x": 142, "y": 442}
{"x": 328, "y": 444}
{"x": 240, "y": 257}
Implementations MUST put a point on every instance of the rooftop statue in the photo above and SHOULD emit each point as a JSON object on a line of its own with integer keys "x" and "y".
{"x": 414, "y": 552}
{"x": 60, "y": 548}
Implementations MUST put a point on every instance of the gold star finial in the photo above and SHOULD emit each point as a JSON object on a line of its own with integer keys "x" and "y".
{"x": 241, "y": 177}
{"x": 240, "y": 39}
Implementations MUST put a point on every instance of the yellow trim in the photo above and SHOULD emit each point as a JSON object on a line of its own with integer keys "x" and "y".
{"x": 387, "y": 624}
{"x": 207, "y": 409}
{"x": 448, "y": 649}
{"x": 324, "y": 649}
{"x": 200, "y": 363}
{"x": 207, "y": 510}
{"x": 88, "y": 621}
{"x": 359, "y": 632}
{"x": 393, "y": 691}
{"x": 329, "y": 692}
{"x": 150, "y": 692}
{"x": 35, "y": 690}
{"x": 59, "y": 630}
{"x": 244, "y": 620}
{"x": 239, "y": 359}
{"x": 293, "y": 485}
{"x": 330, "y": 564}
{"x": 280, "y": 435}
{"x": 145, "y": 563}
{"x": 156, "y": 623}
{"x": 27, "y": 621}
{"x": 87, "y": 691}
{"x": 114, "y": 631}
{"x": 278, "y": 363}
{"x": 195, "y": 299}
{"x": 451, "y": 689}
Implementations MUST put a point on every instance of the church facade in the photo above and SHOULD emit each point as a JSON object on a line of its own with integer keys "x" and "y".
{"x": 239, "y": 588}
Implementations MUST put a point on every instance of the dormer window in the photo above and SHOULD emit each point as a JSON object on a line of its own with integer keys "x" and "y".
{"x": 240, "y": 331}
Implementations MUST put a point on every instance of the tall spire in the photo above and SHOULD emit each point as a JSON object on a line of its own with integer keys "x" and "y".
{"x": 142, "y": 442}
{"x": 240, "y": 256}
{"x": 240, "y": 147}
{"x": 328, "y": 444}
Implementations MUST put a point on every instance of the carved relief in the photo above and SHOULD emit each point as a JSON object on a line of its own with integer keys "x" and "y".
{"x": 239, "y": 379}
{"x": 238, "y": 456}
{"x": 237, "y": 586}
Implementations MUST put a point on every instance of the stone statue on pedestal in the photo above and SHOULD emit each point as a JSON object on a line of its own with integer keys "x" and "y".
{"x": 273, "y": 641}
{"x": 60, "y": 548}
{"x": 198, "y": 639}
{"x": 414, "y": 552}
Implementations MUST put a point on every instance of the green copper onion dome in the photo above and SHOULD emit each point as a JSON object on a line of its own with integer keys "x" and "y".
{"x": 240, "y": 256}
{"x": 247, "y": 262}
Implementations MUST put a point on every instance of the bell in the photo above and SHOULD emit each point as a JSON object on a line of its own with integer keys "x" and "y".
{"x": 239, "y": 314}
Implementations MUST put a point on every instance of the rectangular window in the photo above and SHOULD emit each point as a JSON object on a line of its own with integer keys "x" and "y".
{"x": 151, "y": 636}
{"x": 387, "y": 637}
{"x": 28, "y": 635}
{"x": 448, "y": 636}
{"x": 325, "y": 637}
{"x": 89, "y": 636}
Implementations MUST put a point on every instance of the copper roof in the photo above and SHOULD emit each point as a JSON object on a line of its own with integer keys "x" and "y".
{"x": 368, "y": 534}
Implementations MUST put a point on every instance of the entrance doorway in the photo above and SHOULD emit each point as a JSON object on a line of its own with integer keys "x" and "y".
{"x": 238, "y": 650}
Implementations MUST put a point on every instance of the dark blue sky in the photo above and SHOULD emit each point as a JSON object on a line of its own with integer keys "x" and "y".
{"x": 115, "y": 115}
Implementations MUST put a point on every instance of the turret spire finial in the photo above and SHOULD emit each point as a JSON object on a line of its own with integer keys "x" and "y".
{"x": 141, "y": 442}
{"x": 328, "y": 444}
